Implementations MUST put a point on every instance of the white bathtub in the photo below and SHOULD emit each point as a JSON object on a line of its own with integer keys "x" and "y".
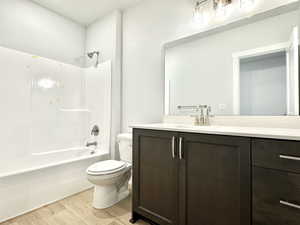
{"x": 37, "y": 161}
{"x": 51, "y": 177}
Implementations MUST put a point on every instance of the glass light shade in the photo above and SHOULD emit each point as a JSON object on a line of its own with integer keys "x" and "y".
{"x": 200, "y": 13}
{"x": 222, "y": 8}
{"x": 246, "y": 4}
{"x": 221, "y": 3}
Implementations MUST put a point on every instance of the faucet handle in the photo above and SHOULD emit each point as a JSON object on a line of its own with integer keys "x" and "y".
{"x": 209, "y": 112}
{"x": 95, "y": 131}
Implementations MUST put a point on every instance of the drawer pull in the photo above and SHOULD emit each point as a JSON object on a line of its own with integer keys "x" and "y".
{"x": 290, "y": 204}
{"x": 289, "y": 157}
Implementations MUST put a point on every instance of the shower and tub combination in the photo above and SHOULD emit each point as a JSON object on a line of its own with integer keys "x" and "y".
{"x": 56, "y": 120}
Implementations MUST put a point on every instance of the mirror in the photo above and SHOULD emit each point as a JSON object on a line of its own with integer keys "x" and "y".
{"x": 248, "y": 70}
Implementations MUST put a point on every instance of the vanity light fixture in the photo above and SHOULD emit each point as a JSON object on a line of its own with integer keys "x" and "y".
{"x": 201, "y": 14}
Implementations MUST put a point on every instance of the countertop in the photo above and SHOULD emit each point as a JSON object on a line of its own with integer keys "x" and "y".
{"x": 258, "y": 132}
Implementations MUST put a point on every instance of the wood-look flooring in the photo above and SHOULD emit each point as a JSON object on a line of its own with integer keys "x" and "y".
{"x": 77, "y": 210}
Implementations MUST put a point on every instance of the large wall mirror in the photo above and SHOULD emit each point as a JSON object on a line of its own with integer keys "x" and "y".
{"x": 247, "y": 70}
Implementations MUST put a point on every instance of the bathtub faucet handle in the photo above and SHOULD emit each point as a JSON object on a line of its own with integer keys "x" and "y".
{"x": 95, "y": 131}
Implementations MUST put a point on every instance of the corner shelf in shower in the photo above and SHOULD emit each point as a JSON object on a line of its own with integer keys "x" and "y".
{"x": 75, "y": 110}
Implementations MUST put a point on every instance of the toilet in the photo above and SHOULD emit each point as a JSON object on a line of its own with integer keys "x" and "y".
{"x": 111, "y": 177}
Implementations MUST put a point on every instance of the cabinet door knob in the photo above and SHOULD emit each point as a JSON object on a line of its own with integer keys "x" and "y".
{"x": 173, "y": 146}
{"x": 180, "y": 148}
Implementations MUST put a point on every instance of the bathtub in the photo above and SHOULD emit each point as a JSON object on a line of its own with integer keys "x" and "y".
{"x": 52, "y": 176}
{"x": 38, "y": 161}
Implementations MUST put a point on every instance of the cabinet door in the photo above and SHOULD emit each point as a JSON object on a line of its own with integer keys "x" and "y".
{"x": 155, "y": 176}
{"x": 214, "y": 180}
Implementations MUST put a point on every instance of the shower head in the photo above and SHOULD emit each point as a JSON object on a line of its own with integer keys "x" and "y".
{"x": 91, "y": 55}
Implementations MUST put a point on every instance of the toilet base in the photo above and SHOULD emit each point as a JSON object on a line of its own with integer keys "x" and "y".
{"x": 108, "y": 195}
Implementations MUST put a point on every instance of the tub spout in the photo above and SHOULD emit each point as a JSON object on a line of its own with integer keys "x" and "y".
{"x": 95, "y": 143}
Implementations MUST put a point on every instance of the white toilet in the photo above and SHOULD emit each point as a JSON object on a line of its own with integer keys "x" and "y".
{"x": 111, "y": 177}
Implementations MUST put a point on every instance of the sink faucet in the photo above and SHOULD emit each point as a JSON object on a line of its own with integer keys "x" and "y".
{"x": 199, "y": 118}
{"x": 203, "y": 114}
{"x": 202, "y": 118}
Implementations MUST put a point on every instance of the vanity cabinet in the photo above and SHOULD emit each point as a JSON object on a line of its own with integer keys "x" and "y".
{"x": 191, "y": 179}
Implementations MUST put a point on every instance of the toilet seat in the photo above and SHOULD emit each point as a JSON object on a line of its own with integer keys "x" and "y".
{"x": 106, "y": 167}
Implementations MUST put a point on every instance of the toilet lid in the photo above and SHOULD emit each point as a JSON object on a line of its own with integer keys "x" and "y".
{"x": 106, "y": 166}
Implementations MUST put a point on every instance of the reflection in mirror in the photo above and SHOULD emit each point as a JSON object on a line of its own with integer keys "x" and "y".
{"x": 236, "y": 72}
{"x": 263, "y": 84}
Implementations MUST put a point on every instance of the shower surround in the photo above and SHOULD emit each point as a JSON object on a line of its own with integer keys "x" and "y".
{"x": 48, "y": 110}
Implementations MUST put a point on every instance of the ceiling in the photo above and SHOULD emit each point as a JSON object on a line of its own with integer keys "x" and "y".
{"x": 85, "y": 11}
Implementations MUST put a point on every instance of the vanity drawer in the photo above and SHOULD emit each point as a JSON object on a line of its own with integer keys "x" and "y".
{"x": 276, "y": 197}
{"x": 276, "y": 154}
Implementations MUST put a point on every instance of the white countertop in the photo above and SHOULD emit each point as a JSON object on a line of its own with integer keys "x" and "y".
{"x": 258, "y": 132}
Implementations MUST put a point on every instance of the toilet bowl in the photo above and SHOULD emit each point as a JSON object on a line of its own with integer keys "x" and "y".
{"x": 110, "y": 177}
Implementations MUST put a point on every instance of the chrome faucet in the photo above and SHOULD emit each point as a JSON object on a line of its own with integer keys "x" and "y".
{"x": 207, "y": 116}
{"x": 94, "y": 143}
{"x": 203, "y": 114}
{"x": 199, "y": 118}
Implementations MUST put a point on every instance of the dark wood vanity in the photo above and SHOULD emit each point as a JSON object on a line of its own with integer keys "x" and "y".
{"x": 184, "y": 178}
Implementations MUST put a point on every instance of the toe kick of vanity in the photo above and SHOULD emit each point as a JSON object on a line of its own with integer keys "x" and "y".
{"x": 190, "y": 178}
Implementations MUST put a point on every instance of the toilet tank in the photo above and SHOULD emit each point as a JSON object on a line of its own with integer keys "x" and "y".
{"x": 125, "y": 147}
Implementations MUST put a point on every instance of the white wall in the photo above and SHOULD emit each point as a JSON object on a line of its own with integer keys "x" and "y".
{"x": 28, "y": 27}
{"x": 147, "y": 27}
{"x": 104, "y": 35}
